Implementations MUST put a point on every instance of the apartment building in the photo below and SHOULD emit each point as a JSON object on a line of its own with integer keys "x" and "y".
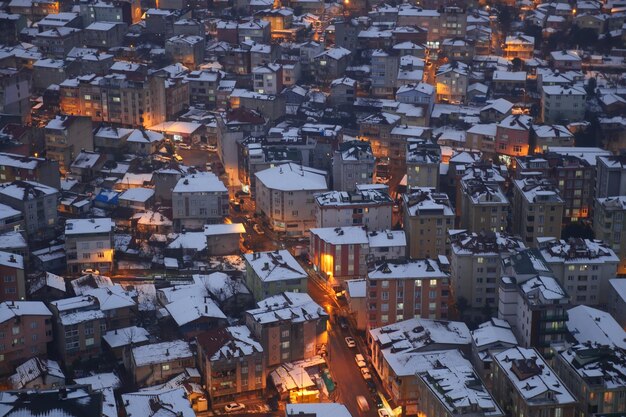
{"x": 490, "y": 338}
{"x": 544, "y": 136}
{"x": 476, "y": 265}
{"x": 537, "y": 209}
{"x": 89, "y": 245}
{"x": 610, "y": 176}
{"x": 342, "y": 253}
{"x": 519, "y": 46}
{"x": 384, "y": 72}
{"x": 422, "y": 164}
{"x": 290, "y": 326}
{"x": 562, "y": 102}
{"x": 25, "y": 331}
{"x": 353, "y": 163}
{"x": 428, "y": 215}
{"x": 533, "y": 302}
{"x": 186, "y": 49}
{"x": 15, "y": 167}
{"x": 127, "y": 95}
{"x": 37, "y": 202}
{"x": 79, "y": 325}
{"x": 403, "y": 289}
{"x": 271, "y": 273}
{"x": 13, "y": 285}
{"x": 198, "y": 199}
{"x": 452, "y": 81}
{"x": 583, "y": 267}
{"x": 285, "y": 196}
{"x": 157, "y": 363}
{"x": 513, "y": 135}
{"x": 524, "y": 384}
{"x": 365, "y": 207}
{"x": 231, "y": 362}
{"x": 268, "y": 78}
{"x": 484, "y": 207}
{"x": 609, "y": 225}
{"x": 15, "y": 91}
{"x": 400, "y": 350}
{"x": 66, "y": 136}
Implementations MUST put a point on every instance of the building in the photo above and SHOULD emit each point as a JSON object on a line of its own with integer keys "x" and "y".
{"x": 37, "y": 202}
{"x": 341, "y": 253}
{"x": 37, "y": 373}
{"x": 452, "y": 81}
{"x": 343, "y": 91}
{"x": 89, "y": 245}
{"x": 484, "y": 207}
{"x": 610, "y": 176}
{"x": 26, "y": 329}
{"x": 268, "y": 78}
{"x": 422, "y": 164}
{"x": 330, "y": 64}
{"x": 105, "y": 35}
{"x": 186, "y": 49}
{"x": 157, "y": 363}
{"x": 79, "y": 325}
{"x": 18, "y": 167}
{"x": 544, "y": 136}
{"x": 470, "y": 396}
{"x": 400, "y": 350}
{"x": 519, "y": 46}
{"x": 490, "y": 338}
{"x": 403, "y": 289}
{"x": 537, "y": 209}
{"x": 561, "y": 102}
{"x": 476, "y": 266}
{"x": 223, "y": 239}
{"x": 271, "y": 273}
{"x": 565, "y": 60}
{"x": 366, "y": 207}
{"x": 353, "y": 163}
{"x": 384, "y": 73}
{"x": 617, "y": 300}
{"x": 583, "y": 267}
{"x": 231, "y": 362}
{"x": 16, "y": 86}
{"x": 285, "y": 196}
{"x": 290, "y": 326}
{"x": 13, "y": 285}
{"x": 513, "y": 135}
{"x": 77, "y": 397}
{"x": 427, "y": 217}
{"x": 65, "y": 137}
{"x": 532, "y": 301}
{"x": 198, "y": 199}
{"x": 524, "y": 384}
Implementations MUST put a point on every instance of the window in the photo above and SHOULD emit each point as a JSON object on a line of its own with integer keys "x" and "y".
{"x": 284, "y": 334}
{"x": 432, "y": 283}
{"x": 165, "y": 367}
{"x": 89, "y": 341}
{"x": 284, "y": 345}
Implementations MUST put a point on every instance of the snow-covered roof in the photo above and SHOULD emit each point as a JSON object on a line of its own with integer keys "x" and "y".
{"x": 185, "y": 311}
{"x": 336, "y": 199}
{"x": 86, "y": 160}
{"x": 35, "y": 368}
{"x": 161, "y": 353}
{"x": 20, "y": 161}
{"x": 423, "y": 201}
{"x": 125, "y": 336}
{"x": 516, "y": 122}
{"x": 587, "y": 324}
{"x": 26, "y": 190}
{"x": 47, "y": 279}
{"x": 406, "y": 269}
{"x": 152, "y": 218}
{"x": 11, "y": 260}
{"x": 137, "y": 194}
{"x": 226, "y": 343}
{"x": 500, "y": 105}
{"x": 585, "y": 251}
{"x": 588, "y": 154}
{"x": 88, "y": 226}
{"x": 293, "y": 177}
{"x": 532, "y": 378}
{"x": 278, "y": 265}
{"x": 200, "y": 182}
{"x": 403, "y": 344}
{"x": 493, "y": 332}
{"x": 168, "y": 403}
{"x": 463, "y": 242}
{"x": 112, "y": 298}
{"x": 287, "y": 306}
{"x": 357, "y": 288}
{"x": 188, "y": 240}
{"x": 14, "y": 309}
{"x": 223, "y": 229}
{"x": 543, "y": 289}
{"x": 565, "y": 56}
{"x": 538, "y": 190}
{"x": 90, "y": 282}
{"x": 334, "y": 53}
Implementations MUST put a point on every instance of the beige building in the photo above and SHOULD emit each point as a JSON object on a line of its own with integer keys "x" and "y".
{"x": 285, "y": 196}
{"x": 537, "y": 209}
{"x": 422, "y": 164}
{"x": 559, "y": 102}
{"x": 452, "y": 81}
{"x": 271, "y": 273}
{"x": 609, "y": 225}
{"x": 519, "y": 46}
{"x": 427, "y": 217}
{"x": 159, "y": 362}
{"x": 89, "y": 244}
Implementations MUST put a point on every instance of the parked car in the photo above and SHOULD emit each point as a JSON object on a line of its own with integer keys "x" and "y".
{"x": 360, "y": 360}
{"x": 350, "y": 342}
{"x": 234, "y": 407}
{"x": 362, "y": 403}
{"x": 383, "y": 413}
{"x": 366, "y": 373}
{"x": 257, "y": 229}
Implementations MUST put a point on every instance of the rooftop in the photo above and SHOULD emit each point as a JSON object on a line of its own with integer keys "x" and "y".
{"x": 278, "y": 265}
{"x": 161, "y": 352}
{"x": 423, "y": 201}
{"x": 288, "y": 306}
{"x": 293, "y": 177}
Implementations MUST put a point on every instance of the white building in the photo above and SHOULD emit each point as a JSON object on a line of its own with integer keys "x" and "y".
{"x": 353, "y": 163}
{"x": 199, "y": 199}
{"x": 268, "y": 78}
{"x": 285, "y": 195}
{"x": 89, "y": 245}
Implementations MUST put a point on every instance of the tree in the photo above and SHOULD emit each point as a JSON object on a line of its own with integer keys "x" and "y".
{"x": 591, "y": 87}
{"x": 577, "y": 230}
{"x": 517, "y": 64}
{"x": 461, "y": 305}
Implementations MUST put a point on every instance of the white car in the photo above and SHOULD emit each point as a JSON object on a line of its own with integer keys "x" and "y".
{"x": 382, "y": 412}
{"x": 360, "y": 360}
{"x": 257, "y": 229}
{"x": 350, "y": 342}
{"x": 366, "y": 373}
{"x": 234, "y": 407}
